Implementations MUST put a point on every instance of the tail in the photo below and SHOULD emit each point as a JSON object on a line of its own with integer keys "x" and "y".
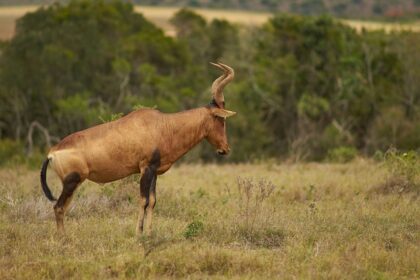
{"x": 44, "y": 185}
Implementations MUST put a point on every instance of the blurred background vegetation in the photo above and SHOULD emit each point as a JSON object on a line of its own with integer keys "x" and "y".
{"x": 307, "y": 87}
{"x": 367, "y": 9}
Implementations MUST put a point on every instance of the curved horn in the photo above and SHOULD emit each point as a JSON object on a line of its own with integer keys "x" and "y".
{"x": 219, "y": 84}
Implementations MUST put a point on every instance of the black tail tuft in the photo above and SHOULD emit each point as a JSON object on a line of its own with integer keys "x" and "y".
{"x": 44, "y": 185}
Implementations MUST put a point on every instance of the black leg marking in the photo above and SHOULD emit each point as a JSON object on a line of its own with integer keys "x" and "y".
{"x": 70, "y": 184}
{"x": 148, "y": 179}
{"x": 148, "y": 185}
{"x": 148, "y": 193}
{"x": 145, "y": 183}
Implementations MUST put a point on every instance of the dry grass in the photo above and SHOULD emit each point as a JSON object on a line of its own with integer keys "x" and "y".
{"x": 386, "y": 26}
{"x": 8, "y": 17}
{"x": 161, "y": 15}
{"x": 315, "y": 221}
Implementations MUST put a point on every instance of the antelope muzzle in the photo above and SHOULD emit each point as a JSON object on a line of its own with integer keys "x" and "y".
{"x": 223, "y": 152}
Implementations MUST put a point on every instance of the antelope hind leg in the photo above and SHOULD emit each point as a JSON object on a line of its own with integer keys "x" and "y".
{"x": 70, "y": 184}
{"x": 147, "y": 201}
{"x": 150, "y": 206}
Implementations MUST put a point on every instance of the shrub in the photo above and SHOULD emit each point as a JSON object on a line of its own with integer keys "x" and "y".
{"x": 252, "y": 195}
{"x": 10, "y": 151}
{"x": 194, "y": 229}
{"x": 255, "y": 214}
{"x": 34, "y": 161}
{"x": 342, "y": 154}
{"x": 406, "y": 165}
{"x": 392, "y": 127}
{"x": 378, "y": 156}
{"x": 403, "y": 172}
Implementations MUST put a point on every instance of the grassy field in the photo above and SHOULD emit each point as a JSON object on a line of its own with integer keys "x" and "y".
{"x": 161, "y": 15}
{"x": 252, "y": 221}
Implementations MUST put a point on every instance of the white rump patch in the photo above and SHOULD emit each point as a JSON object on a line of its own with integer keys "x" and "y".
{"x": 56, "y": 159}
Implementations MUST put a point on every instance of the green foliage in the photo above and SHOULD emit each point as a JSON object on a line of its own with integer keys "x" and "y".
{"x": 324, "y": 75}
{"x": 33, "y": 161}
{"x": 111, "y": 117}
{"x": 193, "y": 229}
{"x": 392, "y": 127}
{"x": 378, "y": 156}
{"x": 403, "y": 173}
{"x": 403, "y": 165}
{"x": 312, "y": 106}
{"x": 140, "y": 106}
{"x": 10, "y": 151}
{"x": 342, "y": 154}
{"x": 74, "y": 62}
{"x": 76, "y": 113}
{"x": 305, "y": 87}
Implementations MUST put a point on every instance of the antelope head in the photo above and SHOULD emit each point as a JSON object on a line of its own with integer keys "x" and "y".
{"x": 217, "y": 124}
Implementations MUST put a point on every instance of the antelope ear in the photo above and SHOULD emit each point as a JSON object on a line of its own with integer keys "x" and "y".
{"x": 223, "y": 113}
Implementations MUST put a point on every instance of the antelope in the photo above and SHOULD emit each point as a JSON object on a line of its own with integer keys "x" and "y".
{"x": 145, "y": 141}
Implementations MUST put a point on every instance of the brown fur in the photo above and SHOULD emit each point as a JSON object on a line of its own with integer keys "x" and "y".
{"x": 117, "y": 149}
{"x": 131, "y": 144}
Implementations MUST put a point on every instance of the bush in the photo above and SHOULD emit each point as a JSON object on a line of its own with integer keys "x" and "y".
{"x": 392, "y": 127}
{"x": 403, "y": 167}
{"x": 34, "y": 161}
{"x": 342, "y": 154}
{"x": 254, "y": 217}
{"x": 378, "y": 156}
{"x": 10, "y": 152}
{"x": 403, "y": 172}
{"x": 193, "y": 229}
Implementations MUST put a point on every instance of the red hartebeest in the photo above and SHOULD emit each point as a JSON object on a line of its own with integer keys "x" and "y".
{"x": 145, "y": 141}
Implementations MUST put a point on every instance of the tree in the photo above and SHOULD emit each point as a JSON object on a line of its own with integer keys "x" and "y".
{"x": 86, "y": 57}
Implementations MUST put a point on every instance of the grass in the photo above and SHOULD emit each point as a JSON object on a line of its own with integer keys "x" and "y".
{"x": 224, "y": 221}
{"x": 161, "y": 15}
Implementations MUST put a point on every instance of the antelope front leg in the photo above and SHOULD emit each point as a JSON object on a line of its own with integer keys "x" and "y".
{"x": 147, "y": 201}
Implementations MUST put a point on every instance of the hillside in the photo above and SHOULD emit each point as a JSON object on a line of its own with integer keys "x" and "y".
{"x": 361, "y": 9}
{"x": 161, "y": 15}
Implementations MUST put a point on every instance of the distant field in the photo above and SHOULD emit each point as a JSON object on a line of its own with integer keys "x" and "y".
{"x": 161, "y": 15}
{"x": 320, "y": 221}
{"x": 8, "y": 16}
